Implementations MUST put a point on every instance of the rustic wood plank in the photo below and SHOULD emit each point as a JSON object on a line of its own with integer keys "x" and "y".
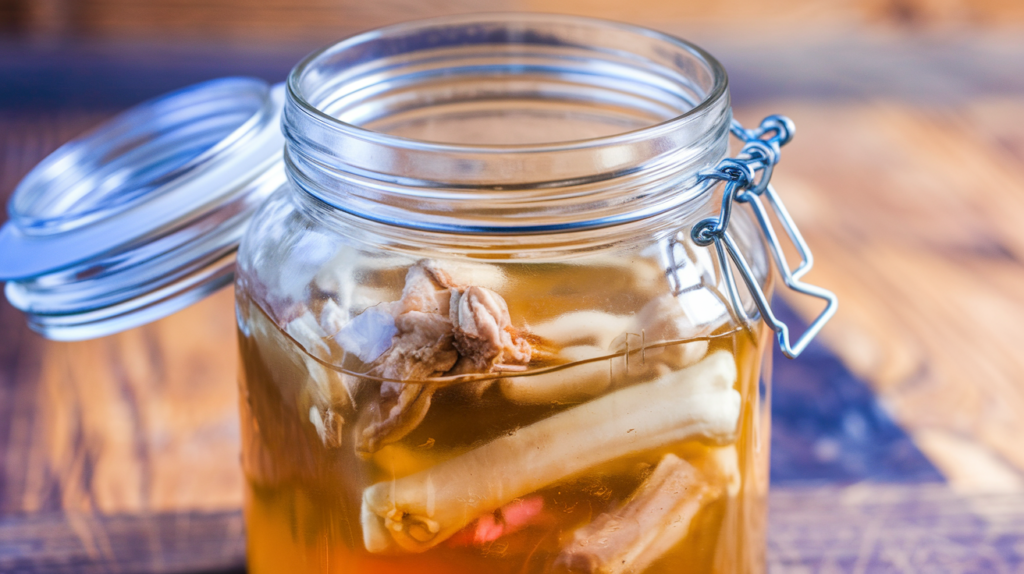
{"x": 20, "y": 361}
{"x": 171, "y": 542}
{"x": 143, "y": 421}
{"x": 828, "y": 427}
{"x": 914, "y": 215}
{"x": 284, "y": 20}
{"x": 24, "y": 140}
{"x": 915, "y": 221}
{"x": 856, "y": 529}
{"x": 894, "y": 529}
{"x": 117, "y": 450}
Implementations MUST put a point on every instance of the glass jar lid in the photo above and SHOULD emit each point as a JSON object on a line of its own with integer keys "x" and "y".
{"x": 142, "y": 216}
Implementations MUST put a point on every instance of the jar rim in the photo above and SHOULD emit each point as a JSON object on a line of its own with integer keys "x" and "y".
{"x": 659, "y": 104}
{"x": 720, "y": 87}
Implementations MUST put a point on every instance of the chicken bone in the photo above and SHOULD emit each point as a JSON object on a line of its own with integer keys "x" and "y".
{"x": 655, "y": 518}
{"x": 595, "y": 328}
{"x": 638, "y": 352}
{"x": 417, "y": 512}
{"x": 662, "y": 320}
{"x": 573, "y": 384}
{"x": 327, "y": 392}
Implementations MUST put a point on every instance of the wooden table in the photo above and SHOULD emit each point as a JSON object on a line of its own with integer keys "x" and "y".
{"x": 897, "y": 447}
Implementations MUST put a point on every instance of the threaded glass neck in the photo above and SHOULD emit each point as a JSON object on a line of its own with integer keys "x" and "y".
{"x": 508, "y": 123}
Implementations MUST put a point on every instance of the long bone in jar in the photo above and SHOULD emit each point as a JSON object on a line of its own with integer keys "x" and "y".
{"x": 656, "y": 518}
{"x": 638, "y": 341}
{"x": 417, "y": 512}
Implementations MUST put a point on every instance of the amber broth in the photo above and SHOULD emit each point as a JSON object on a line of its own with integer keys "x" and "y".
{"x": 303, "y": 500}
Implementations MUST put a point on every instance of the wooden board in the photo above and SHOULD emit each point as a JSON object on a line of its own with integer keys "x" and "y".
{"x": 915, "y": 216}
{"x": 298, "y": 20}
{"x": 143, "y": 421}
{"x": 851, "y": 530}
{"x": 85, "y": 543}
{"x": 913, "y": 212}
{"x": 894, "y": 529}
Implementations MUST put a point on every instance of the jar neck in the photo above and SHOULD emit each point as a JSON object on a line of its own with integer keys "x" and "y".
{"x": 473, "y": 124}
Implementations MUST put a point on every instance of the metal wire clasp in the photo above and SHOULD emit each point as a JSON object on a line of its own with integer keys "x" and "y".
{"x": 760, "y": 153}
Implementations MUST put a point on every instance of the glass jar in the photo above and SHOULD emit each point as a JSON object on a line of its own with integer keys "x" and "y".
{"x": 485, "y": 326}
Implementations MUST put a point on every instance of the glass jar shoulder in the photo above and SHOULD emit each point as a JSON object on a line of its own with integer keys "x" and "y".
{"x": 291, "y": 264}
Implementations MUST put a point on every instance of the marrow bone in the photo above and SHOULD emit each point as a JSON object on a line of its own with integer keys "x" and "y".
{"x": 570, "y": 385}
{"x": 655, "y": 518}
{"x": 630, "y": 338}
{"x": 417, "y": 512}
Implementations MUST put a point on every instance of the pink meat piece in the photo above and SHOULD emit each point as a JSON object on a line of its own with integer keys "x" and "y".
{"x": 508, "y": 519}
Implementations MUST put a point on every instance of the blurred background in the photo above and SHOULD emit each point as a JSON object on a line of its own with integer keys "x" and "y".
{"x": 115, "y": 51}
{"x": 261, "y": 21}
{"x": 907, "y": 178}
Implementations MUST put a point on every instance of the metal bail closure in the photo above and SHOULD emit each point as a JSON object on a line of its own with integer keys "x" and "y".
{"x": 760, "y": 153}
{"x": 142, "y": 216}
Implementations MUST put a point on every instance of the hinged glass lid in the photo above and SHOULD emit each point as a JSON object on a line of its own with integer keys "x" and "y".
{"x": 142, "y": 216}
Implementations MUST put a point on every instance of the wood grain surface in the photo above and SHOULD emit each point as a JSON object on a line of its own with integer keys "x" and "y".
{"x": 133, "y": 542}
{"x": 298, "y": 20}
{"x": 907, "y": 177}
{"x": 142, "y": 421}
{"x": 836, "y": 530}
{"x": 886, "y": 529}
{"x": 916, "y": 217}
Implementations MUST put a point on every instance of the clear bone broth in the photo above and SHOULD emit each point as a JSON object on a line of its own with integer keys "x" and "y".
{"x": 617, "y": 439}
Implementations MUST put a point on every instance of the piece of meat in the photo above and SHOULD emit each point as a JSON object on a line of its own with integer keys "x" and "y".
{"x": 422, "y": 347}
{"x": 401, "y": 409}
{"x": 483, "y": 330}
{"x": 426, "y": 290}
{"x": 439, "y": 329}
